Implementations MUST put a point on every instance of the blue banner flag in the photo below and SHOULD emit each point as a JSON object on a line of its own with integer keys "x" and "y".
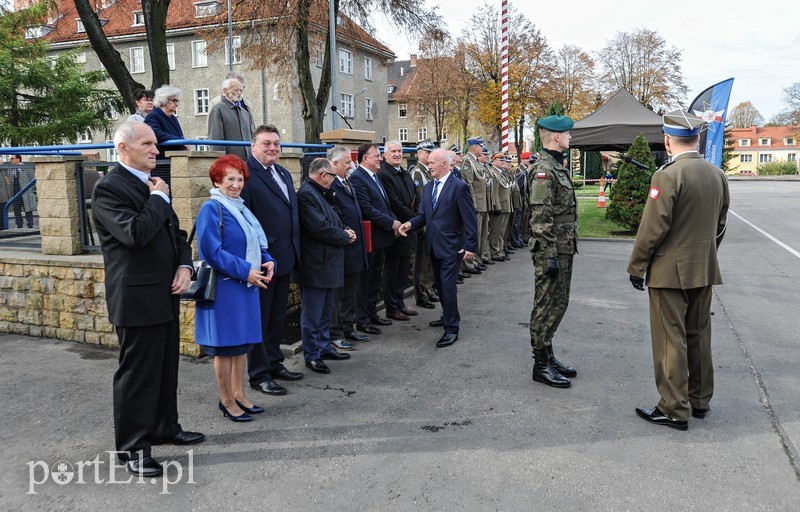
{"x": 711, "y": 106}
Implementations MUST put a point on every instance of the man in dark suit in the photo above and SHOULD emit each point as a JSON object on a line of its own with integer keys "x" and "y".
{"x": 148, "y": 265}
{"x": 323, "y": 238}
{"x": 355, "y": 254}
{"x": 270, "y": 195}
{"x": 374, "y": 203}
{"x": 449, "y": 215}
{"x": 403, "y": 201}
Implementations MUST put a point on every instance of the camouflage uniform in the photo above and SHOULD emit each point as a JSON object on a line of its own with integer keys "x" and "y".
{"x": 554, "y": 234}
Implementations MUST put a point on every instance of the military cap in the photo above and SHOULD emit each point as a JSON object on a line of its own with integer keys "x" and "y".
{"x": 474, "y": 140}
{"x": 484, "y": 150}
{"x": 455, "y": 149}
{"x": 680, "y": 123}
{"x": 525, "y": 155}
{"x": 556, "y": 124}
{"x": 426, "y": 145}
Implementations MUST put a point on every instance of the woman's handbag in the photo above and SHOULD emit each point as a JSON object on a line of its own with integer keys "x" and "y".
{"x": 204, "y": 278}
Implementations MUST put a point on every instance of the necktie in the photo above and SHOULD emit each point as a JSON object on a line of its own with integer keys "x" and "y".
{"x": 434, "y": 195}
{"x": 375, "y": 177}
{"x": 279, "y": 181}
{"x": 347, "y": 185}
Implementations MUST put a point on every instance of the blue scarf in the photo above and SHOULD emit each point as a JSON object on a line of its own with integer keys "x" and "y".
{"x": 254, "y": 233}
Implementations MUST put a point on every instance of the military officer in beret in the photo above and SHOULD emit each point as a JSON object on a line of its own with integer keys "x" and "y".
{"x": 553, "y": 242}
{"x": 474, "y": 173}
{"x": 676, "y": 248}
{"x": 483, "y": 243}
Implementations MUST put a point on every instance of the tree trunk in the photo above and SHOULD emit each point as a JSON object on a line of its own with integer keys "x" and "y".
{"x": 109, "y": 57}
{"x": 155, "y": 25}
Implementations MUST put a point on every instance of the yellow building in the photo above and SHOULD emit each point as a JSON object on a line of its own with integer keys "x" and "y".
{"x": 757, "y": 145}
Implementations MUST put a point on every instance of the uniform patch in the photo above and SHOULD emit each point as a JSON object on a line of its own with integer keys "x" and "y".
{"x": 416, "y": 183}
{"x": 654, "y": 193}
{"x": 541, "y": 175}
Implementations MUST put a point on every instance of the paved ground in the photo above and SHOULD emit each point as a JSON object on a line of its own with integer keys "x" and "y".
{"x": 406, "y": 426}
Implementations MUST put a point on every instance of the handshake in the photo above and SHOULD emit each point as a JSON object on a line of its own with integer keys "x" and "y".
{"x": 402, "y": 229}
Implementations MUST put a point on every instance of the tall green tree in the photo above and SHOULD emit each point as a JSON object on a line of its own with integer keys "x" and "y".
{"x": 554, "y": 109}
{"x": 629, "y": 193}
{"x": 46, "y": 100}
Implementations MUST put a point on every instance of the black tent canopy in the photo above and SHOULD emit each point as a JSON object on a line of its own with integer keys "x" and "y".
{"x": 613, "y": 126}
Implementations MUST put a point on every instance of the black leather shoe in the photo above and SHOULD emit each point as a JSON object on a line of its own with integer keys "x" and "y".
{"x": 473, "y": 271}
{"x": 425, "y": 304}
{"x": 269, "y": 387}
{"x": 433, "y": 298}
{"x": 181, "y": 438}
{"x": 144, "y": 467}
{"x": 462, "y": 275}
{"x": 318, "y": 365}
{"x": 354, "y": 336}
{"x": 498, "y": 259}
{"x": 566, "y": 371}
{"x": 447, "y": 339}
{"x": 396, "y": 315}
{"x": 482, "y": 267}
{"x": 436, "y": 323}
{"x": 376, "y": 320}
{"x": 368, "y": 328}
{"x": 460, "y": 280}
{"x": 489, "y": 262}
{"x": 408, "y": 312}
{"x": 506, "y": 257}
{"x": 657, "y": 417}
{"x": 700, "y": 414}
{"x": 546, "y": 374}
{"x": 335, "y": 355}
{"x": 284, "y": 374}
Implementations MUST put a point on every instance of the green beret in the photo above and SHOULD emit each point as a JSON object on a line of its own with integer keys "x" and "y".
{"x": 556, "y": 123}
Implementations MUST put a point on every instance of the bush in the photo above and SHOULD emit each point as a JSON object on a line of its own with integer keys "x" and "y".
{"x": 629, "y": 192}
{"x": 778, "y": 168}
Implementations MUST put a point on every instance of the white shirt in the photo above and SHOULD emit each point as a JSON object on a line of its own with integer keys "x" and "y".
{"x": 440, "y": 187}
{"x": 145, "y": 177}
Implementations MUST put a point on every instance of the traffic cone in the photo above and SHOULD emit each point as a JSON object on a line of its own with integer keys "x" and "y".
{"x": 601, "y": 200}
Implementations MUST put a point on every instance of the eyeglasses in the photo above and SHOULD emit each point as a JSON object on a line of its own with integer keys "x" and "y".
{"x": 332, "y": 175}
{"x": 174, "y": 100}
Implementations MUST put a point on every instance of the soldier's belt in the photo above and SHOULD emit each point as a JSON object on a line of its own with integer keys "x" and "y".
{"x": 566, "y": 217}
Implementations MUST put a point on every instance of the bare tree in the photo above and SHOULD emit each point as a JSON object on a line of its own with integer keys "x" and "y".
{"x": 575, "y": 81}
{"x": 791, "y": 96}
{"x": 745, "y": 115}
{"x": 642, "y": 62}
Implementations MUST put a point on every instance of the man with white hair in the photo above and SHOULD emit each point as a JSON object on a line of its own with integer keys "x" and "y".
{"x": 230, "y": 119}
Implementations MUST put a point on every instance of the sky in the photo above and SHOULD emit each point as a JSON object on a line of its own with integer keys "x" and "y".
{"x": 756, "y": 43}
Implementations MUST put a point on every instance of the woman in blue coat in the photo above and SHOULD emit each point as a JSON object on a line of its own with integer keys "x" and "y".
{"x": 228, "y": 327}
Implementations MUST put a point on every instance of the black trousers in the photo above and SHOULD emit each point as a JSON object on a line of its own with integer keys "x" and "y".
{"x": 146, "y": 387}
{"x": 396, "y": 270}
{"x": 267, "y": 358}
{"x": 367, "y": 302}
{"x": 344, "y": 306}
{"x": 445, "y": 273}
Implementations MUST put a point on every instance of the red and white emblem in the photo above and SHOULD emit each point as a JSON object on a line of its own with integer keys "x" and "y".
{"x": 540, "y": 175}
{"x": 654, "y": 193}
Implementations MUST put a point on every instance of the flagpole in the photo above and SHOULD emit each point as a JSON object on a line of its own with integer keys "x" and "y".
{"x": 504, "y": 59}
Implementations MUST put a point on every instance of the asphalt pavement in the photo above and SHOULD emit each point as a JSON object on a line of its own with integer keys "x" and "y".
{"x": 406, "y": 426}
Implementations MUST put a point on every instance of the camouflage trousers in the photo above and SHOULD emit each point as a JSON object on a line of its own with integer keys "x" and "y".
{"x": 550, "y": 300}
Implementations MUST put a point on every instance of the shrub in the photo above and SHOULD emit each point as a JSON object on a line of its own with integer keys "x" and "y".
{"x": 778, "y": 168}
{"x": 629, "y": 193}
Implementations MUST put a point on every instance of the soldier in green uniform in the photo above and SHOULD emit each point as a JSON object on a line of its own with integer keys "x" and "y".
{"x": 676, "y": 246}
{"x": 553, "y": 242}
{"x": 424, "y": 289}
{"x": 501, "y": 198}
{"x": 474, "y": 174}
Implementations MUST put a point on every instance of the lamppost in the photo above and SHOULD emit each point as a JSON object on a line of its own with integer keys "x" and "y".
{"x": 230, "y": 38}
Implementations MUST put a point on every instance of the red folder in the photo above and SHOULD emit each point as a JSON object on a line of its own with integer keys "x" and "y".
{"x": 367, "y": 225}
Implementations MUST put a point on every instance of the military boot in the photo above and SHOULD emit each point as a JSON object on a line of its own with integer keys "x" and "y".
{"x": 566, "y": 371}
{"x": 545, "y": 373}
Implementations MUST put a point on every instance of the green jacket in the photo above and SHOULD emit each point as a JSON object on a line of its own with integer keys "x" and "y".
{"x": 553, "y": 207}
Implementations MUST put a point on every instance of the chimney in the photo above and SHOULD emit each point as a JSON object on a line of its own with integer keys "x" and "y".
{"x": 755, "y": 130}
{"x": 413, "y": 60}
{"x": 402, "y": 71}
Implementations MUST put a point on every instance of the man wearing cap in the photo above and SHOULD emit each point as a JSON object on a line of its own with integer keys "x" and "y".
{"x": 475, "y": 175}
{"x": 554, "y": 241}
{"x": 511, "y": 179}
{"x": 501, "y": 199}
{"x": 521, "y": 175}
{"x": 423, "y": 271}
{"x": 458, "y": 159}
{"x": 468, "y": 267}
{"x": 676, "y": 246}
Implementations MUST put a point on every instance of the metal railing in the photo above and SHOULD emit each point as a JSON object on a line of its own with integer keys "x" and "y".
{"x": 18, "y": 196}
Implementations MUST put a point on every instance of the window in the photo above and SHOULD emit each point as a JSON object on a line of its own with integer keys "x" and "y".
{"x": 367, "y": 68}
{"x": 368, "y": 109}
{"x": 745, "y": 159}
{"x": 203, "y": 9}
{"x": 764, "y": 158}
{"x": 199, "y": 55}
{"x": 390, "y": 89}
{"x": 81, "y": 28}
{"x": 339, "y": 21}
{"x": 422, "y": 134}
{"x": 200, "y": 102}
{"x": 764, "y": 142}
{"x": 744, "y": 142}
{"x": 791, "y": 157}
{"x": 402, "y": 110}
{"x": 171, "y": 55}
{"x": 345, "y": 61}
{"x": 137, "y": 59}
{"x": 138, "y": 19}
{"x": 346, "y": 105}
{"x": 403, "y": 135}
{"x": 237, "y": 50}
{"x": 320, "y": 54}
{"x": 790, "y": 141}
{"x": 202, "y": 147}
{"x": 85, "y": 137}
{"x": 111, "y": 153}
{"x": 36, "y": 32}
{"x": 444, "y": 133}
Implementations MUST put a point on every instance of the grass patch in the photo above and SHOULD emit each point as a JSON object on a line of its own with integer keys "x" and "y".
{"x": 592, "y": 222}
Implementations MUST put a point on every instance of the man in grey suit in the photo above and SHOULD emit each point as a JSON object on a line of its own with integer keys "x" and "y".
{"x": 230, "y": 119}
{"x": 682, "y": 226}
{"x": 147, "y": 265}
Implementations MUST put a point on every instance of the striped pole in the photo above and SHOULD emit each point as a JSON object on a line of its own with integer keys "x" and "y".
{"x": 504, "y": 59}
